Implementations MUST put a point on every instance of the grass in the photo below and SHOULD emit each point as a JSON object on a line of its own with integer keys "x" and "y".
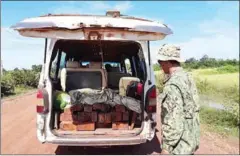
{"x": 218, "y": 80}
{"x": 216, "y": 86}
{"x": 220, "y": 121}
{"x": 20, "y": 90}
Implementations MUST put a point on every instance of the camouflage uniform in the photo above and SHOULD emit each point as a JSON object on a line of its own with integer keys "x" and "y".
{"x": 179, "y": 111}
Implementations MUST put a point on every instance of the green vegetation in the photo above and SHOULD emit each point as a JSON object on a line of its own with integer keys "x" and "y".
{"x": 223, "y": 66}
{"x": 220, "y": 121}
{"x": 19, "y": 81}
{"x": 22, "y": 89}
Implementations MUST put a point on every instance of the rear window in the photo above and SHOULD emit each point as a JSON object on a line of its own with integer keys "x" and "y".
{"x": 118, "y": 56}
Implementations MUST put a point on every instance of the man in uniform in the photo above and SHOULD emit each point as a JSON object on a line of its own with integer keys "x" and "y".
{"x": 179, "y": 105}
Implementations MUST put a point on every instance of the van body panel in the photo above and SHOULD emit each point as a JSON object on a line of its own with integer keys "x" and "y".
{"x": 88, "y": 27}
{"x": 147, "y": 132}
{"x": 79, "y": 27}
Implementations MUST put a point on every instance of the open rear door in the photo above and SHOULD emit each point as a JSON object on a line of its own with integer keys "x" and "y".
{"x": 89, "y": 27}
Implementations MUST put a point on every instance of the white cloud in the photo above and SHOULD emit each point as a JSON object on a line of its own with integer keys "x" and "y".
{"x": 218, "y": 26}
{"x": 98, "y": 5}
{"x": 219, "y": 36}
{"x": 22, "y": 52}
{"x": 66, "y": 10}
{"x": 90, "y": 7}
{"x": 123, "y": 6}
{"x": 217, "y": 46}
{"x": 18, "y": 51}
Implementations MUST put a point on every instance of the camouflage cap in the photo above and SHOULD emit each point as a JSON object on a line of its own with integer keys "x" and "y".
{"x": 169, "y": 52}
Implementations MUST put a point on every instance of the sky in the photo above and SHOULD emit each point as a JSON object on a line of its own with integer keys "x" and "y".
{"x": 199, "y": 27}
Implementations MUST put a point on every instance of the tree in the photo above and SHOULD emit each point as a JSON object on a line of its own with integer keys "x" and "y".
{"x": 37, "y": 68}
{"x": 15, "y": 69}
{"x": 204, "y": 58}
{"x": 156, "y": 67}
{"x": 191, "y": 60}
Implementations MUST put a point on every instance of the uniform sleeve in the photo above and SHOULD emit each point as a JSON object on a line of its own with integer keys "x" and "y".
{"x": 172, "y": 117}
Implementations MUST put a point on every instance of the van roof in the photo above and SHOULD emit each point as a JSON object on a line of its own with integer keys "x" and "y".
{"x": 73, "y": 22}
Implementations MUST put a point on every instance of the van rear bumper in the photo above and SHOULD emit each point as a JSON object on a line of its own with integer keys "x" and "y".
{"x": 113, "y": 141}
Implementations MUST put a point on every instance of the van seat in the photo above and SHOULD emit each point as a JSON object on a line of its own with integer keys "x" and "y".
{"x": 124, "y": 82}
{"x": 73, "y": 77}
{"x": 113, "y": 79}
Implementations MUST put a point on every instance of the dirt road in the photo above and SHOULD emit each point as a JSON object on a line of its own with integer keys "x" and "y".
{"x": 18, "y": 135}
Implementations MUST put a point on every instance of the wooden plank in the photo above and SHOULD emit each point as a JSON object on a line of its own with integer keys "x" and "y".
{"x": 101, "y": 107}
{"x": 88, "y": 126}
{"x": 97, "y": 107}
{"x": 94, "y": 116}
{"x": 120, "y": 126}
{"x": 125, "y": 116}
{"x": 77, "y": 108}
{"x": 108, "y": 118}
{"x": 116, "y": 116}
{"x": 84, "y": 116}
{"x": 68, "y": 117}
{"x": 133, "y": 120}
{"x": 68, "y": 126}
{"x": 101, "y": 117}
{"x": 120, "y": 108}
{"x": 87, "y": 108}
{"x": 103, "y": 125}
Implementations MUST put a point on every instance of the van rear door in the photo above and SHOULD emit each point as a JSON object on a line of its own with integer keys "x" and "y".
{"x": 84, "y": 27}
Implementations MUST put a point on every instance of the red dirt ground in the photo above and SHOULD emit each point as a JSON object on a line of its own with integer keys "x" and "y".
{"x": 18, "y": 135}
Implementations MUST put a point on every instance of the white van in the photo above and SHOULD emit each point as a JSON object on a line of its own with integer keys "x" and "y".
{"x": 79, "y": 41}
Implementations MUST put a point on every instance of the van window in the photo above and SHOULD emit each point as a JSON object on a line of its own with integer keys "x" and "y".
{"x": 54, "y": 66}
{"x": 128, "y": 66}
{"x": 62, "y": 63}
{"x": 54, "y": 71}
{"x": 62, "y": 60}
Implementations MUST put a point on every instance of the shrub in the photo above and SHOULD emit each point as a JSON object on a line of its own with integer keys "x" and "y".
{"x": 156, "y": 67}
{"x": 228, "y": 69}
{"x": 32, "y": 79}
{"x": 7, "y": 85}
{"x": 221, "y": 121}
{"x": 159, "y": 77}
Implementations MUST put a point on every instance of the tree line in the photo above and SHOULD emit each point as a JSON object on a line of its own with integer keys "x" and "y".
{"x": 19, "y": 78}
{"x": 30, "y": 77}
{"x": 206, "y": 62}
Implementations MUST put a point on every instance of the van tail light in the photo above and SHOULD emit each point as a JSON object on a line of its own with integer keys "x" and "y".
{"x": 139, "y": 88}
{"x": 152, "y": 109}
{"x": 153, "y": 93}
{"x": 152, "y": 101}
{"x": 40, "y": 109}
{"x": 39, "y": 94}
{"x": 40, "y": 106}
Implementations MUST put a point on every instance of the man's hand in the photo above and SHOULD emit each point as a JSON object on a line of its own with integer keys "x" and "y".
{"x": 164, "y": 152}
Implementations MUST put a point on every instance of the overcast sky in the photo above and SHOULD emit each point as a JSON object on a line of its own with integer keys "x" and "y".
{"x": 200, "y": 28}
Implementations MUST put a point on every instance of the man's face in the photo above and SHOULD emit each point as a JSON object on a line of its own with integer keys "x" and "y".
{"x": 165, "y": 65}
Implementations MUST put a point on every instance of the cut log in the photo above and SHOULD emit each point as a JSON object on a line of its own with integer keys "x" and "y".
{"x": 120, "y": 108}
{"x": 108, "y": 118}
{"x": 125, "y": 116}
{"x": 120, "y": 126}
{"x": 101, "y": 117}
{"x": 94, "y": 116}
{"x": 133, "y": 120}
{"x": 68, "y": 117}
{"x": 84, "y": 116}
{"x": 68, "y": 126}
{"x": 116, "y": 116}
{"x": 87, "y": 126}
{"x": 87, "y": 108}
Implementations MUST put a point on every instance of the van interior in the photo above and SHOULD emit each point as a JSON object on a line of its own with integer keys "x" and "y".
{"x": 97, "y": 65}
